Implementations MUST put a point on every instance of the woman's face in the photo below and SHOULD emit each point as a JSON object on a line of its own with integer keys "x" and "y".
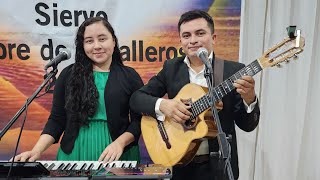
{"x": 99, "y": 45}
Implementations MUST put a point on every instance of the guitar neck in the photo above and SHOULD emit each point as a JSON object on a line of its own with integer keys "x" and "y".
{"x": 223, "y": 88}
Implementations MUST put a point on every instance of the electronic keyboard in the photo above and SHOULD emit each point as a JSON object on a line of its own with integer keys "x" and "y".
{"x": 84, "y": 170}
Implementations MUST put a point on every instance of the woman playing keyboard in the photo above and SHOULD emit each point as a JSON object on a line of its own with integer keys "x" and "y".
{"x": 91, "y": 102}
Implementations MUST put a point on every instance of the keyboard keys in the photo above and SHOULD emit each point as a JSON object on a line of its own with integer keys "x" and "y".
{"x": 85, "y": 165}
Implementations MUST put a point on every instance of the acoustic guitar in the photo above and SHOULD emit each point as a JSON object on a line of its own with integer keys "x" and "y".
{"x": 170, "y": 143}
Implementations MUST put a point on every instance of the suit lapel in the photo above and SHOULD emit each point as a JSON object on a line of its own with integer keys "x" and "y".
{"x": 184, "y": 73}
{"x": 180, "y": 77}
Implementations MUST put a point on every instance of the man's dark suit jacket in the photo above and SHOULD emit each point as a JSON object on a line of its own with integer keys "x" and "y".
{"x": 122, "y": 82}
{"x": 173, "y": 77}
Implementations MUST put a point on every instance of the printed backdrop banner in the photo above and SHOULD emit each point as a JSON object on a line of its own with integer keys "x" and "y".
{"x": 32, "y": 32}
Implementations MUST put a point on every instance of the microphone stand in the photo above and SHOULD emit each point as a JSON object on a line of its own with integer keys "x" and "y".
{"x": 224, "y": 146}
{"x": 33, "y": 96}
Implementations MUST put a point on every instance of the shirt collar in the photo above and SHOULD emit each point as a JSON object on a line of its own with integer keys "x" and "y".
{"x": 187, "y": 61}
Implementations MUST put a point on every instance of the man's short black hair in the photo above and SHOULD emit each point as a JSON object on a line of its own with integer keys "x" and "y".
{"x": 195, "y": 14}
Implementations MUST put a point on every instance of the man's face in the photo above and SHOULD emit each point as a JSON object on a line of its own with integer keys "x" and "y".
{"x": 195, "y": 34}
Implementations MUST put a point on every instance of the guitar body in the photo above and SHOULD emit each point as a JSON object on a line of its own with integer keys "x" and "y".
{"x": 184, "y": 142}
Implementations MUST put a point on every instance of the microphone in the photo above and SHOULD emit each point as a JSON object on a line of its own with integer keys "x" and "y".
{"x": 202, "y": 53}
{"x": 64, "y": 54}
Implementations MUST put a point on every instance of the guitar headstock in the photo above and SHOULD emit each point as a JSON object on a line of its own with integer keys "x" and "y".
{"x": 283, "y": 51}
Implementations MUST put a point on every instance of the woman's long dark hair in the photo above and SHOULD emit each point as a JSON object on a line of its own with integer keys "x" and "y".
{"x": 81, "y": 92}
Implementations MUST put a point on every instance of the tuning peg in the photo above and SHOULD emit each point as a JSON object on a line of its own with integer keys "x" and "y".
{"x": 291, "y": 31}
{"x": 278, "y": 65}
{"x": 287, "y": 60}
{"x": 295, "y": 56}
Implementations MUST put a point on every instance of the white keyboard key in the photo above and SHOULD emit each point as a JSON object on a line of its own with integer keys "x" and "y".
{"x": 126, "y": 164}
{"x": 134, "y": 164}
{"x": 79, "y": 165}
{"x": 56, "y": 165}
{"x": 115, "y": 164}
{"x": 97, "y": 165}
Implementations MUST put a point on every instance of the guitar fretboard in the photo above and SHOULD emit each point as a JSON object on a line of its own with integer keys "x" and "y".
{"x": 223, "y": 88}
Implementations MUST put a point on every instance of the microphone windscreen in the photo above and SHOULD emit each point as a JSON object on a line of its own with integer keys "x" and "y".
{"x": 202, "y": 51}
{"x": 66, "y": 51}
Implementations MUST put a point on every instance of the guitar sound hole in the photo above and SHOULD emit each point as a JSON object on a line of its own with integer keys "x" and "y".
{"x": 191, "y": 123}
